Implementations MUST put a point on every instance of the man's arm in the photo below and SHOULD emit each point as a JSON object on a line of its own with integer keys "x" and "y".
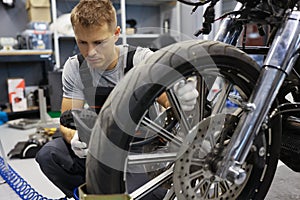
{"x": 69, "y": 104}
{"x": 163, "y": 100}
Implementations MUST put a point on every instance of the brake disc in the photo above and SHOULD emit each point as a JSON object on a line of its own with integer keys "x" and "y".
{"x": 194, "y": 172}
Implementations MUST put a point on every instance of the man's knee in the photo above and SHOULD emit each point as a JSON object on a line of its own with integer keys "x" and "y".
{"x": 48, "y": 154}
{"x": 42, "y": 154}
{"x": 54, "y": 155}
{"x": 45, "y": 157}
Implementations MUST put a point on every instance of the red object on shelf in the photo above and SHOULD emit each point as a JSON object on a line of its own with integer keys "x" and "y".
{"x": 16, "y": 89}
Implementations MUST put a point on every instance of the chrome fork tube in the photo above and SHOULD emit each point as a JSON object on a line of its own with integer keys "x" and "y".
{"x": 229, "y": 30}
{"x": 276, "y": 67}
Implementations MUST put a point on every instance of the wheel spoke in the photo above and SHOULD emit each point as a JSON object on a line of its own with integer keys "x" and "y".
{"x": 179, "y": 113}
{"x": 222, "y": 96}
{"x": 202, "y": 98}
{"x": 195, "y": 174}
{"x": 154, "y": 127}
{"x": 206, "y": 192}
{"x": 196, "y": 162}
{"x": 212, "y": 140}
{"x": 216, "y": 190}
{"x": 200, "y": 186}
{"x": 152, "y": 185}
{"x": 170, "y": 194}
{"x": 224, "y": 186}
{"x": 151, "y": 158}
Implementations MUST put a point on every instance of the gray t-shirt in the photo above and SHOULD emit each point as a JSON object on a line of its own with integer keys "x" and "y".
{"x": 72, "y": 84}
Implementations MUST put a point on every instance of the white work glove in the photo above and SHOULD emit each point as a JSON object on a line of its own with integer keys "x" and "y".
{"x": 187, "y": 94}
{"x": 79, "y": 148}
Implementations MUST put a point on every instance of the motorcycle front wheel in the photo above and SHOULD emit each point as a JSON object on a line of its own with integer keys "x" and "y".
{"x": 153, "y": 152}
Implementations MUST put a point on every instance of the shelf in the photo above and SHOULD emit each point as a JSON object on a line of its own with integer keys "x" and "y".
{"x": 25, "y": 56}
{"x": 161, "y": 10}
{"x": 25, "y": 52}
{"x": 136, "y": 2}
{"x": 29, "y": 114}
{"x": 137, "y": 36}
{"x": 66, "y": 36}
{"x": 146, "y": 2}
{"x": 142, "y": 36}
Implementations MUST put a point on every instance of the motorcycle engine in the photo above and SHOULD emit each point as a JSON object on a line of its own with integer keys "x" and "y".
{"x": 277, "y": 3}
{"x": 284, "y": 4}
{"x": 249, "y": 2}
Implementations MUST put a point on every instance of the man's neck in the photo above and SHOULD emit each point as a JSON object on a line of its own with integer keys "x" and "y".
{"x": 115, "y": 60}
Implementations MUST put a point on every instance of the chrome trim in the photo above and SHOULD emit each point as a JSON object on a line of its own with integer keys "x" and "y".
{"x": 271, "y": 78}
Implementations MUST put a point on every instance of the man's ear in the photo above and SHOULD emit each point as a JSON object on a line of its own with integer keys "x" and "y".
{"x": 117, "y": 33}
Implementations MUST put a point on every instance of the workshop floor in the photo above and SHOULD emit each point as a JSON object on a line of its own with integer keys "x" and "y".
{"x": 28, "y": 169}
{"x": 285, "y": 185}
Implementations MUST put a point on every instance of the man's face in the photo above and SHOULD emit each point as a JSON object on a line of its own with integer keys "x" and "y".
{"x": 97, "y": 45}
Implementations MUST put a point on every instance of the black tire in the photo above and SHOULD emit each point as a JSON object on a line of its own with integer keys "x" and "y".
{"x": 128, "y": 108}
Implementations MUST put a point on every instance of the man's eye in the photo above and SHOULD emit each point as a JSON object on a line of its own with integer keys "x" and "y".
{"x": 82, "y": 42}
{"x": 98, "y": 42}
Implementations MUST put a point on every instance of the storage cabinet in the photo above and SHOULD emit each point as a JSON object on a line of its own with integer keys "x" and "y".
{"x": 31, "y": 65}
{"x": 152, "y": 17}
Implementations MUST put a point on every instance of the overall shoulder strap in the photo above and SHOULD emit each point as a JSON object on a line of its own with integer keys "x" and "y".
{"x": 84, "y": 72}
{"x": 130, "y": 54}
{"x": 80, "y": 59}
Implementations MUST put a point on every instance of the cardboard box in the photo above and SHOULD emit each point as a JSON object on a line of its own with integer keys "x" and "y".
{"x": 16, "y": 94}
{"x": 84, "y": 196}
{"x": 38, "y": 10}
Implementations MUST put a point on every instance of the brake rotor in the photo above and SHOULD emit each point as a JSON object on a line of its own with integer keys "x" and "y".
{"x": 194, "y": 172}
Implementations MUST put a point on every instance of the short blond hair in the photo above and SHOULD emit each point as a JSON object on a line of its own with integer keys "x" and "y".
{"x": 94, "y": 13}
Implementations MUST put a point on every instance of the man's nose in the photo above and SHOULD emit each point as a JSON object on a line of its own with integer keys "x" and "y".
{"x": 91, "y": 50}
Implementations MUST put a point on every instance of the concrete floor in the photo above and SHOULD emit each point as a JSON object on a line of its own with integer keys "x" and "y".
{"x": 286, "y": 184}
{"x": 28, "y": 169}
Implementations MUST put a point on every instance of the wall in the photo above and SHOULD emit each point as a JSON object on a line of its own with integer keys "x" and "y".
{"x": 145, "y": 16}
{"x": 195, "y": 19}
{"x": 13, "y": 20}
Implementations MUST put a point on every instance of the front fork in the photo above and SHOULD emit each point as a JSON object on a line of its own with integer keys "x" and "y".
{"x": 277, "y": 65}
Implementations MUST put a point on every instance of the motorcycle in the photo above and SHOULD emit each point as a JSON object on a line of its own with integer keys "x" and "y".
{"x": 245, "y": 120}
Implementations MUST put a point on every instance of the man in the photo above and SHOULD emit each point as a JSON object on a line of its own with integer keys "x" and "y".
{"x": 98, "y": 69}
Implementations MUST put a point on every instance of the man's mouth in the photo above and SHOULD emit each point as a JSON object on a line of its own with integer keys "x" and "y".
{"x": 93, "y": 60}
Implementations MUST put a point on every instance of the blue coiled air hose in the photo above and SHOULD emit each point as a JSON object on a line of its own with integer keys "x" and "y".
{"x": 18, "y": 184}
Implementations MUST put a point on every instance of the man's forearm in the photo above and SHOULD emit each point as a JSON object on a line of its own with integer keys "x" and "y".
{"x": 67, "y": 133}
{"x": 163, "y": 100}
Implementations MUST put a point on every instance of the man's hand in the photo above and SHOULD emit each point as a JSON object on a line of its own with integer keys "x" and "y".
{"x": 187, "y": 94}
{"x": 79, "y": 148}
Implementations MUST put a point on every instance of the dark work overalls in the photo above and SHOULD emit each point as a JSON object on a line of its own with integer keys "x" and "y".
{"x": 96, "y": 96}
{"x": 56, "y": 158}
